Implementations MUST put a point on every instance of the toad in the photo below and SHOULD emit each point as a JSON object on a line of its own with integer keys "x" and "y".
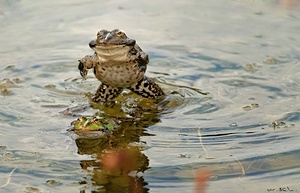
{"x": 119, "y": 63}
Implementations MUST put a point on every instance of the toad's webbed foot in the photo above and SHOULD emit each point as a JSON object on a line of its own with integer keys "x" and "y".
{"x": 147, "y": 88}
{"x": 106, "y": 93}
{"x": 86, "y": 63}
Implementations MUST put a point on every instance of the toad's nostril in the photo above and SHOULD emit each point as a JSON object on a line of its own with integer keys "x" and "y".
{"x": 130, "y": 42}
{"x": 92, "y": 44}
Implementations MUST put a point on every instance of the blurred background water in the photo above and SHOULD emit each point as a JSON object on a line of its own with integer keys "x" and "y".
{"x": 244, "y": 53}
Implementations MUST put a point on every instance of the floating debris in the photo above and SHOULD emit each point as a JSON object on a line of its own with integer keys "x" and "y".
{"x": 247, "y": 108}
{"x": 250, "y": 107}
{"x": 6, "y": 83}
{"x": 53, "y": 182}
{"x": 254, "y": 105}
{"x": 250, "y": 67}
{"x": 272, "y": 61}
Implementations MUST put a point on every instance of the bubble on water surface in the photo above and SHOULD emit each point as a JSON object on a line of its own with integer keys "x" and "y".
{"x": 233, "y": 124}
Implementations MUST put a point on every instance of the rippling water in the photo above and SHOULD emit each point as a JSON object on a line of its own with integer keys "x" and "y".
{"x": 245, "y": 54}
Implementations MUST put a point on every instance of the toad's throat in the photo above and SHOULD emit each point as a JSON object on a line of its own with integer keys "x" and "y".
{"x": 115, "y": 54}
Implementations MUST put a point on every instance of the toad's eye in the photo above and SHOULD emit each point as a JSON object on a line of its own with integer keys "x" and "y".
{"x": 102, "y": 33}
{"x": 120, "y": 34}
{"x": 99, "y": 34}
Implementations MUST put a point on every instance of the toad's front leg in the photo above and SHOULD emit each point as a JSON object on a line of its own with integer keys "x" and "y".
{"x": 86, "y": 63}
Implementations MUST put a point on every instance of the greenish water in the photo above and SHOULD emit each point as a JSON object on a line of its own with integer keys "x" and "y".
{"x": 246, "y": 131}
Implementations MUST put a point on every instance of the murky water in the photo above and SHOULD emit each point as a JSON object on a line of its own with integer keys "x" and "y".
{"x": 245, "y": 131}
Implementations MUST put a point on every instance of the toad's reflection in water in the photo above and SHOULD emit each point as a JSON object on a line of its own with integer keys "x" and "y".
{"x": 115, "y": 166}
{"x": 117, "y": 154}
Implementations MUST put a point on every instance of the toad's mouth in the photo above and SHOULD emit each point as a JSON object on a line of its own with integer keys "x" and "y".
{"x": 112, "y": 51}
{"x": 112, "y": 44}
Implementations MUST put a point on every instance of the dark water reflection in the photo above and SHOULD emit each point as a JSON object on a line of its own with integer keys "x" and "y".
{"x": 245, "y": 54}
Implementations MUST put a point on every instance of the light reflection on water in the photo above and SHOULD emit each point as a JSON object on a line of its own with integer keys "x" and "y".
{"x": 245, "y": 54}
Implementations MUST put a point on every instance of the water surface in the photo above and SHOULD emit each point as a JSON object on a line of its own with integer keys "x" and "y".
{"x": 244, "y": 53}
